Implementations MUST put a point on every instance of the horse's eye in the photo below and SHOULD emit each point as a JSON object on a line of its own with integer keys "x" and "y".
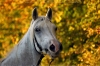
{"x": 42, "y": 19}
{"x": 55, "y": 28}
{"x": 37, "y": 29}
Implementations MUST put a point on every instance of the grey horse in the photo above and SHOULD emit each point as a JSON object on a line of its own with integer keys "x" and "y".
{"x": 39, "y": 40}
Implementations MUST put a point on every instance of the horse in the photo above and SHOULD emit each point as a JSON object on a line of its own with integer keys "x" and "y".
{"x": 39, "y": 40}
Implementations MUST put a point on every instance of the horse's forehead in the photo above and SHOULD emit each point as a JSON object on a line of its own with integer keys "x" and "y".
{"x": 42, "y": 21}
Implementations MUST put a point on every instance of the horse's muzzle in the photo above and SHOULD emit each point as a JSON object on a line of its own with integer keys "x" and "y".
{"x": 55, "y": 46}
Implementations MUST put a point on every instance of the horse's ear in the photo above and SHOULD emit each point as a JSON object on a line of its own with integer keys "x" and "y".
{"x": 34, "y": 13}
{"x": 49, "y": 13}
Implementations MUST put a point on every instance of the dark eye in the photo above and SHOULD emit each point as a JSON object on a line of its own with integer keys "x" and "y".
{"x": 42, "y": 19}
{"x": 37, "y": 29}
{"x": 55, "y": 28}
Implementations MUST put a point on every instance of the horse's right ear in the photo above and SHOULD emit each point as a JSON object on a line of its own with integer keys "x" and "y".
{"x": 49, "y": 13}
{"x": 34, "y": 13}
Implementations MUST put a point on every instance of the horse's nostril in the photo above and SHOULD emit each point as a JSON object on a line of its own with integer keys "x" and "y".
{"x": 52, "y": 48}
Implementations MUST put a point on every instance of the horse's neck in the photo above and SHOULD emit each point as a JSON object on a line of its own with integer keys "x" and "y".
{"x": 29, "y": 52}
{"x": 24, "y": 53}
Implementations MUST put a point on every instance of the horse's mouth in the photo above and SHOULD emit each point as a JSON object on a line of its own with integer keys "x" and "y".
{"x": 54, "y": 56}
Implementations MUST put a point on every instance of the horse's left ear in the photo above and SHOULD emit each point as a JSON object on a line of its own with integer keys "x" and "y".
{"x": 49, "y": 13}
{"x": 34, "y": 13}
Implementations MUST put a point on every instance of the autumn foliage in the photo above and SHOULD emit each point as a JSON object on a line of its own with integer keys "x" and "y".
{"x": 78, "y": 23}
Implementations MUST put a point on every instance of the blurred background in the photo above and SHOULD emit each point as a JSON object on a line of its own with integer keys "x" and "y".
{"x": 78, "y": 23}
